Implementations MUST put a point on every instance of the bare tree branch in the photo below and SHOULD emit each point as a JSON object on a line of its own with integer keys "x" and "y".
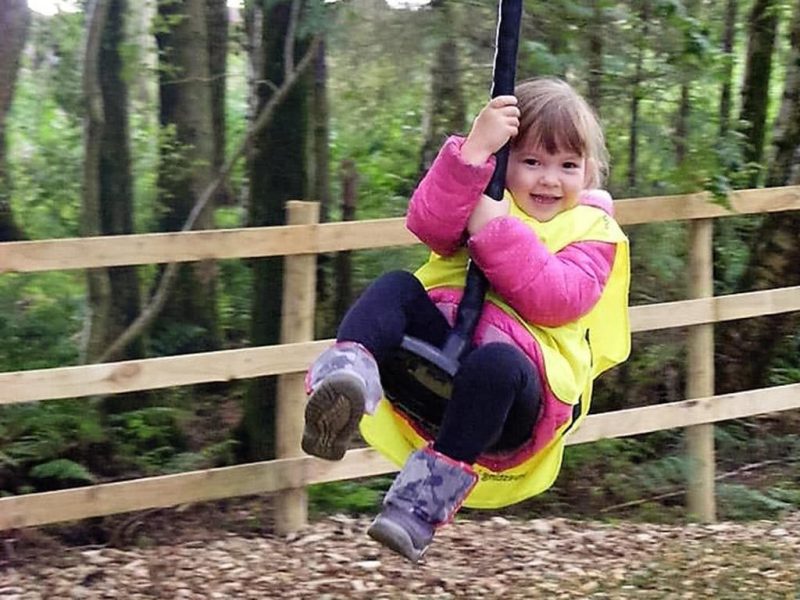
{"x": 166, "y": 284}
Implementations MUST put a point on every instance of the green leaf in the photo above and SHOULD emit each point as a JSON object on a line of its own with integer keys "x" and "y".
{"x": 62, "y": 469}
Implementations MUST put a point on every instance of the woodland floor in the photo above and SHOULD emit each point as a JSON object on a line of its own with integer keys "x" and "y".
{"x": 222, "y": 551}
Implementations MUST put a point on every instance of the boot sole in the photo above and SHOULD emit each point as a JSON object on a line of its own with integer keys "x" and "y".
{"x": 395, "y": 538}
{"x": 332, "y": 415}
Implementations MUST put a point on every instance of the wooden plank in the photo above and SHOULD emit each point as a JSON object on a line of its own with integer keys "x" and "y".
{"x": 635, "y": 421}
{"x": 227, "y": 365}
{"x": 273, "y": 476}
{"x": 155, "y": 373}
{"x": 151, "y": 492}
{"x": 684, "y": 313}
{"x": 157, "y": 248}
{"x": 655, "y": 209}
{"x": 183, "y": 488}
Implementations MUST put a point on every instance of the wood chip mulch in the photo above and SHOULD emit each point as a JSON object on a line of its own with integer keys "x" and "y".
{"x": 494, "y": 558}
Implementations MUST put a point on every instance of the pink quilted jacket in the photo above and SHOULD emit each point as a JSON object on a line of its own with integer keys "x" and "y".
{"x": 545, "y": 288}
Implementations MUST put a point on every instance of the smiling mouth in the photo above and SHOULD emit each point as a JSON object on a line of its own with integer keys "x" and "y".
{"x": 544, "y": 199}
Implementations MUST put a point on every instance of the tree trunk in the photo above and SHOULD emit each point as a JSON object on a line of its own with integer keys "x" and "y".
{"x": 277, "y": 175}
{"x": 99, "y": 286}
{"x": 596, "y": 35}
{"x": 682, "y": 126}
{"x": 638, "y": 76}
{"x": 755, "y": 88}
{"x": 344, "y": 270}
{"x": 189, "y": 322}
{"x": 114, "y": 299}
{"x": 319, "y": 176}
{"x": 728, "y": 39}
{"x": 15, "y": 20}
{"x": 746, "y": 351}
{"x": 320, "y": 125}
{"x": 786, "y": 135}
{"x": 447, "y": 109}
{"x": 687, "y": 71}
{"x": 217, "y": 23}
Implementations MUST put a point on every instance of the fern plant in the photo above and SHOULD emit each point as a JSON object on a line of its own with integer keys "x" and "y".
{"x": 49, "y": 445}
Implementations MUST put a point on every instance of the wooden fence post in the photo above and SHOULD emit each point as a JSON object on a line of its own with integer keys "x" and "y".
{"x": 297, "y": 325}
{"x": 701, "y": 502}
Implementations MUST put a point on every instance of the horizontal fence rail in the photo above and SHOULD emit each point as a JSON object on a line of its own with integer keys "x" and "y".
{"x": 277, "y": 475}
{"x": 90, "y": 252}
{"x": 228, "y": 365}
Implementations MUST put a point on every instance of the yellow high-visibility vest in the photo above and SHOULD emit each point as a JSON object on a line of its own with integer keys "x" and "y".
{"x": 574, "y": 355}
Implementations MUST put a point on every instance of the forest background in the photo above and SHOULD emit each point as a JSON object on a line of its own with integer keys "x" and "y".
{"x": 127, "y": 117}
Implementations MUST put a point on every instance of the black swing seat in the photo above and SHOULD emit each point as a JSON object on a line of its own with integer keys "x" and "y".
{"x": 418, "y": 381}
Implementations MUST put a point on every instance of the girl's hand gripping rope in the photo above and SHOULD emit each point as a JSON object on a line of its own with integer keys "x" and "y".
{"x": 497, "y": 123}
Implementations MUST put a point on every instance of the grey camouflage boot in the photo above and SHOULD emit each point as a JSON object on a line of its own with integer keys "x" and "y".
{"x": 427, "y": 493}
{"x": 342, "y": 383}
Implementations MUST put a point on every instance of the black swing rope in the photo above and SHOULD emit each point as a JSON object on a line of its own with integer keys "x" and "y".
{"x": 418, "y": 379}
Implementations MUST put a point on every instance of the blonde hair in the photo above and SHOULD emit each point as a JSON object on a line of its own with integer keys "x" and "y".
{"x": 557, "y": 118}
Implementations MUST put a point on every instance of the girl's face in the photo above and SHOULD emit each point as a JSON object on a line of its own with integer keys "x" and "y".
{"x": 545, "y": 184}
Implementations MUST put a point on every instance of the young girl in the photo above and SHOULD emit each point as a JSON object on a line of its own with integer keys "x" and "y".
{"x": 554, "y": 319}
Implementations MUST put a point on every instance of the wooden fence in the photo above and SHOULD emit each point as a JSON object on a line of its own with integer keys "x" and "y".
{"x": 300, "y": 241}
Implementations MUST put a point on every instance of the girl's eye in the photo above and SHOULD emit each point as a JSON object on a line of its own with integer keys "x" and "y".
{"x": 531, "y": 162}
{"x": 570, "y": 165}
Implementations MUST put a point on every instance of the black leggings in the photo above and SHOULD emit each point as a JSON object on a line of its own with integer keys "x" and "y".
{"x": 496, "y": 392}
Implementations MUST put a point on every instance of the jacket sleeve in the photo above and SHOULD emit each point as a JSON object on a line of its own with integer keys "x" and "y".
{"x": 545, "y": 288}
{"x": 445, "y": 198}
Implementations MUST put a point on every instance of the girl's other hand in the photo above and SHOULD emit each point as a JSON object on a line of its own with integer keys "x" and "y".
{"x": 486, "y": 210}
{"x": 497, "y": 122}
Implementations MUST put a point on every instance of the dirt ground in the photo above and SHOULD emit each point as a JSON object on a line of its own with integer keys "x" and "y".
{"x": 159, "y": 556}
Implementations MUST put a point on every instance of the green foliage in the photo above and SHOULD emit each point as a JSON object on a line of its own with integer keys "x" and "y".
{"x": 750, "y": 441}
{"x": 541, "y": 60}
{"x": 236, "y": 119}
{"x": 176, "y": 166}
{"x": 48, "y": 445}
{"x": 739, "y": 502}
{"x": 733, "y": 238}
{"x": 660, "y": 252}
{"x": 40, "y": 320}
{"x": 44, "y": 131}
{"x": 58, "y": 45}
{"x": 215, "y": 455}
{"x": 45, "y": 154}
{"x": 786, "y": 367}
{"x": 174, "y": 337}
{"x": 354, "y": 497}
{"x": 149, "y": 438}
{"x": 63, "y": 470}
{"x": 592, "y": 472}
{"x": 144, "y": 159}
{"x": 165, "y": 21}
{"x": 731, "y": 171}
{"x": 233, "y": 302}
{"x": 367, "y": 87}
{"x": 614, "y": 472}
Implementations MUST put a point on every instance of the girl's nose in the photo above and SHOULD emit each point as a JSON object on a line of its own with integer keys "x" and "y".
{"x": 548, "y": 178}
